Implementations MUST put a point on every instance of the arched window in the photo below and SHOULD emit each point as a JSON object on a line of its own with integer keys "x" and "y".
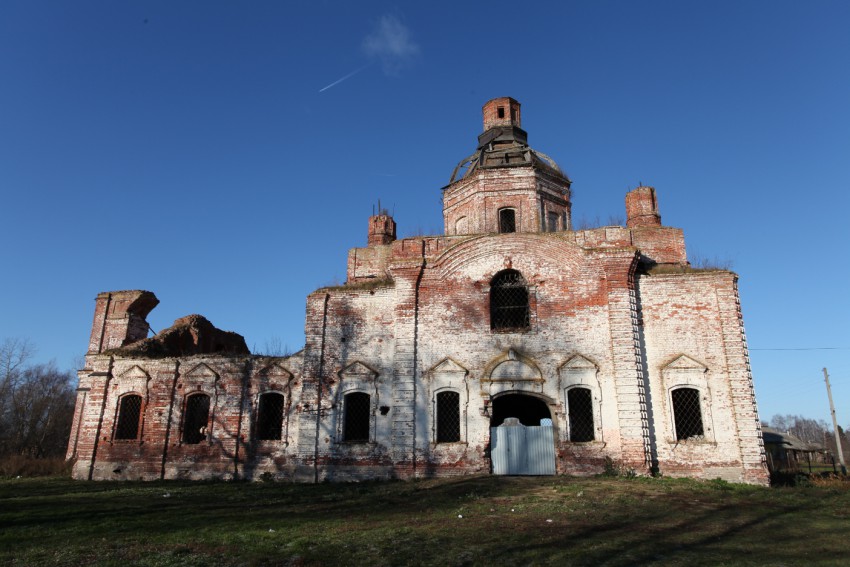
{"x": 270, "y": 416}
{"x": 580, "y": 408}
{"x": 461, "y": 225}
{"x": 448, "y": 417}
{"x": 356, "y": 417}
{"x": 687, "y": 416}
{"x": 129, "y": 417}
{"x": 507, "y": 220}
{"x": 509, "y": 302}
{"x": 195, "y": 418}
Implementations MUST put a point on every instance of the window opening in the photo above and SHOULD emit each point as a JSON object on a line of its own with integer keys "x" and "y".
{"x": 129, "y": 417}
{"x": 580, "y": 404}
{"x": 553, "y": 221}
{"x": 509, "y": 308}
{"x": 513, "y": 114}
{"x": 270, "y": 417}
{"x": 448, "y": 417}
{"x": 356, "y": 414}
{"x": 196, "y": 418}
{"x": 507, "y": 220}
{"x": 686, "y": 413}
{"x": 501, "y": 112}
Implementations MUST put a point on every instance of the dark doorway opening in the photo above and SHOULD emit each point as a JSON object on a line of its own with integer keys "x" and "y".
{"x": 528, "y": 449}
{"x": 529, "y": 410}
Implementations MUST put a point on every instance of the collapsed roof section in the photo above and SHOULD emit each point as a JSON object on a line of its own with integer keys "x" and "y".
{"x": 190, "y": 335}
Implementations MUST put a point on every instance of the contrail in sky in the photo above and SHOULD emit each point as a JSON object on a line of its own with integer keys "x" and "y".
{"x": 348, "y": 76}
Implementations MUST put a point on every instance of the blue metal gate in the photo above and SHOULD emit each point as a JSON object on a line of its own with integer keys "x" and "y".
{"x": 517, "y": 449}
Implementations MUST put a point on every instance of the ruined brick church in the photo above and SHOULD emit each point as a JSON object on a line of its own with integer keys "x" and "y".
{"x": 511, "y": 344}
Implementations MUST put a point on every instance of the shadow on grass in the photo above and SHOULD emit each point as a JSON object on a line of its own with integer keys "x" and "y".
{"x": 472, "y": 520}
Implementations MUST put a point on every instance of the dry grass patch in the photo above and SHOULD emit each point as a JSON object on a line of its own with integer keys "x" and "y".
{"x": 466, "y": 521}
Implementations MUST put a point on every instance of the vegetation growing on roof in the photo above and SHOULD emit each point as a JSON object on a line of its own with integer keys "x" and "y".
{"x": 361, "y": 285}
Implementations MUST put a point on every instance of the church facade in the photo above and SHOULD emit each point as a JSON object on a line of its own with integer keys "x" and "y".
{"x": 511, "y": 344}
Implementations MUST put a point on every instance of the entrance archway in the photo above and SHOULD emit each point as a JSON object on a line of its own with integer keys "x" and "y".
{"x": 528, "y": 409}
{"x": 524, "y": 445}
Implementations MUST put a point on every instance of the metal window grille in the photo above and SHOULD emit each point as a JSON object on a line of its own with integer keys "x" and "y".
{"x": 686, "y": 413}
{"x": 129, "y": 417}
{"x": 580, "y": 403}
{"x": 356, "y": 414}
{"x": 448, "y": 417}
{"x": 270, "y": 417}
{"x": 509, "y": 302}
{"x": 507, "y": 220}
{"x": 195, "y": 418}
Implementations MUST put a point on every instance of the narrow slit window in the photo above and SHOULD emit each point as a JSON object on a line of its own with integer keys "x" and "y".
{"x": 507, "y": 220}
{"x": 687, "y": 415}
{"x": 356, "y": 417}
{"x": 129, "y": 417}
{"x": 270, "y": 417}
{"x": 580, "y": 404}
{"x": 509, "y": 307}
{"x": 448, "y": 417}
{"x": 196, "y": 418}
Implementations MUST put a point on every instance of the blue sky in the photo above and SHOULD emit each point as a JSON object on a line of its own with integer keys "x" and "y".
{"x": 201, "y": 150}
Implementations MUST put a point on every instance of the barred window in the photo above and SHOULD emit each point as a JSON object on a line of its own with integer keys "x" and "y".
{"x": 687, "y": 416}
{"x": 195, "y": 418}
{"x": 356, "y": 414}
{"x": 270, "y": 416}
{"x": 580, "y": 404}
{"x": 507, "y": 220}
{"x": 448, "y": 417}
{"x": 509, "y": 309}
{"x": 129, "y": 417}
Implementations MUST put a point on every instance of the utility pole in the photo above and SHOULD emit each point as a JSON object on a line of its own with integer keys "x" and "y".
{"x": 834, "y": 423}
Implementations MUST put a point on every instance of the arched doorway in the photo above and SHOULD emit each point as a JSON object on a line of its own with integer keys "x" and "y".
{"x": 522, "y": 439}
{"x": 528, "y": 409}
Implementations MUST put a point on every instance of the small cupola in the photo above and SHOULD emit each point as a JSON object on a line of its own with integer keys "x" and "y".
{"x": 382, "y": 228}
{"x": 502, "y": 124}
{"x": 642, "y": 207}
{"x": 503, "y": 111}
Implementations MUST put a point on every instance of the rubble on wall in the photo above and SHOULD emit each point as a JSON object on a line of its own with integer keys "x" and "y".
{"x": 193, "y": 334}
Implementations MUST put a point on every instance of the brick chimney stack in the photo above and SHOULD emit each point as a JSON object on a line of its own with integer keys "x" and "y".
{"x": 642, "y": 208}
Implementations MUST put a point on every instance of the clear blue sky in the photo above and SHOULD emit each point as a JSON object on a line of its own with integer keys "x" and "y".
{"x": 206, "y": 152}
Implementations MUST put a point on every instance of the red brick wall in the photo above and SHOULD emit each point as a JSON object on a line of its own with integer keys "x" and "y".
{"x": 511, "y": 113}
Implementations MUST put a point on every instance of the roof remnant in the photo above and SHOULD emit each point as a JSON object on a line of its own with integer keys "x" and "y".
{"x": 773, "y": 436}
{"x": 189, "y": 335}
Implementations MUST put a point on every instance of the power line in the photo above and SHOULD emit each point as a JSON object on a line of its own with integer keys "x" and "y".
{"x": 812, "y": 348}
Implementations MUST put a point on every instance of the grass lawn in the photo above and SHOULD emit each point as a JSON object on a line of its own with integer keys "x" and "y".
{"x": 482, "y": 520}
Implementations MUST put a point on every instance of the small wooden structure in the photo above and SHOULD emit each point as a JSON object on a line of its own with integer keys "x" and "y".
{"x": 786, "y": 452}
